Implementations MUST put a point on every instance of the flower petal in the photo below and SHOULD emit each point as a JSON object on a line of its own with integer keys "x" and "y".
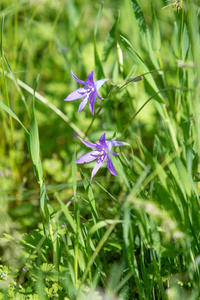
{"x": 77, "y": 94}
{"x": 88, "y": 144}
{"x": 112, "y": 143}
{"x": 99, "y": 83}
{"x": 83, "y": 103}
{"x": 116, "y": 143}
{"x": 99, "y": 97}
{"x": 97, "y": 166}
{"x": 90, "y": 79}
{"x": 102, "y": 140}
{"x": 110, "y": 166}
{"x": 79, "y": 80}
{"x": 113, "y": 153}
{"x": 92, "y": 100}
{"x": 88, "y": 157}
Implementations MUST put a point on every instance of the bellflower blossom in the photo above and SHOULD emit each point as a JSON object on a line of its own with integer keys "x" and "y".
{"x": 101, "y": 152}
{"x": 88, "y": 92}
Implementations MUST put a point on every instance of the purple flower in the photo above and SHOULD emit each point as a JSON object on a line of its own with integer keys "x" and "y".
{"x": 101, "y": 152}
{"x": 88, "y": 92}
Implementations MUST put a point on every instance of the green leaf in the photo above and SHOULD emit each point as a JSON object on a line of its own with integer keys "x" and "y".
{"x": 184, "y": 176}
{"x": 43, "y": 202}
{"x": 144, "y": 32}
{"x": 120, "y": 171}
{"x": 185, "y": 43}
{"x": 150, "y": 82}
{"x": 2, "y": 25}
{"x": 66, "y": 213}
{"x": 74, "y": 174}
{"x": 139, "y": 17}
{"x": 110, "y": 40}
{"x": 34, "y": 134}
{"x": 99, "y": 68}
{"x": 102, "y": 224}
{"x": 11, "y": 113}
{"x": 88, "y": 189}
{"x": 98, "y": 19}
{"x": 16, "y": 83}
{"x": 156, "y": 42}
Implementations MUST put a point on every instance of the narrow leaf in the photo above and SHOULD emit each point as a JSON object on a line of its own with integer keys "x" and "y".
{"x": 98, "y": 19}
{"x": 144, "y": 31}
{"x": 156, "y": 42}
{"x": 185, "y": 43}
{"x": 34, "y": 135}
{"x": 88, "y": 189}
{"x": 110, "y": 40}
{"x": 99, "y": 68}
{"x": 151, "y": 85}
{"x": 66, "y": 213}
{"x": 74, "y": 174}
{"x": 2, "y": 25}
{"x": 139, "y": 17}
{"x": 11, "y": 113}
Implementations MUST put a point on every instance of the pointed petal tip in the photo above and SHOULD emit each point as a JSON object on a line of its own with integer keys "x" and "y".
{"x": 78, "y": 80}
{"x": 92, "y": 111}
{"x": 99, "y": 83}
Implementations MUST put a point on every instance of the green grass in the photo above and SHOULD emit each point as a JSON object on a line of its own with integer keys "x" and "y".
{"x": 63, "y": 235}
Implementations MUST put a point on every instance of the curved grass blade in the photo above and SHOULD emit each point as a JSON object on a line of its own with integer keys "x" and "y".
{"x": 110, "y": 40}
{"x": 74, "y": 174}
{"x": 2, "y": 26}
{"x": 16, "y": 84}
{"x": 100, "y": 72}
{"x": 144, "y": 31}
{"x": 156, "y": 41}
{"x": 66, "y": 213}
{"x": 185, "y": 43}
{"x": 139, "y": 17}
{"x": 91, "y": 197}
{"x": 119, "y": 170}
{"x": 11, "y": 113}
{"x": 34, "y": 134}
{"x": 151, "y": 85}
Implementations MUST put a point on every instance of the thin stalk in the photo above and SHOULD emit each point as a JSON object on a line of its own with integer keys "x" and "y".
{"x": 178, "y": 71}
{"x": 8, "y": 102}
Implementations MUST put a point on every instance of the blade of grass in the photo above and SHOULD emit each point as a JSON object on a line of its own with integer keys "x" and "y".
{"x": 151, "y": 85}
{"x": 12, "y": 114}
{"x": 89, "y": 191}
{"x": 144, "y": 31}
{"x": 110, "y": 40}
{"x": 76, "y": 217}
{"x": 98, "y": 65}
{"x": 34, "y": 134}
{"x": 16, "y": 84}
{"x": 156, "y": 40}
{"x": 66, "y": 213}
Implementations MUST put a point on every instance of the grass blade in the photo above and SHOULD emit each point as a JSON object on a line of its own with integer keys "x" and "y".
{"x": 13, "y": 115}
{"x": 34, "y": 134}
{"x": 110, "y": 40}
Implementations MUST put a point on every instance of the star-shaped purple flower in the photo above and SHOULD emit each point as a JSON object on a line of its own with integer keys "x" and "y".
{"x": 88, "y": 92}
{"x": 102, "y": 152}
